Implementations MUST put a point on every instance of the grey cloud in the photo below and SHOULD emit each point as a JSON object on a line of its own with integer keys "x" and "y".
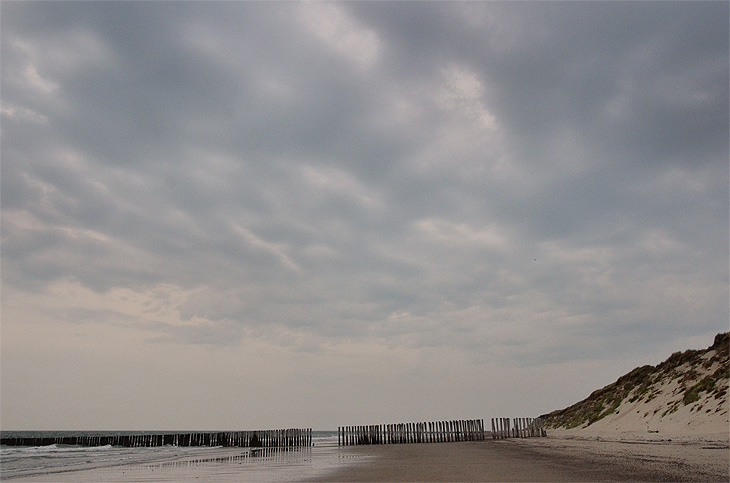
{"x": 533, "y": 183}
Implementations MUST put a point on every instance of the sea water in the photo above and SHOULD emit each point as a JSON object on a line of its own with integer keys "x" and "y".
{"x": 173, "y": 463}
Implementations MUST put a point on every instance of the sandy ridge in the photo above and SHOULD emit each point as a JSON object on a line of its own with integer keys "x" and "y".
{"x": 686, "y": 394}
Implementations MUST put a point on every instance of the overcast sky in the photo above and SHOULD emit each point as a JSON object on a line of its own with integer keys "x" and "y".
{"x": 260, "y": 215}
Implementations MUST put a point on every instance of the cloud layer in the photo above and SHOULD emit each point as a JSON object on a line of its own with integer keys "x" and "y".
{"x": 365, "y": 200}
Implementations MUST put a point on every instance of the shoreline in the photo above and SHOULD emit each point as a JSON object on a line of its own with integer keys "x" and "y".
{"x": 225, "y": 464}
{"x": 562, "y": 456}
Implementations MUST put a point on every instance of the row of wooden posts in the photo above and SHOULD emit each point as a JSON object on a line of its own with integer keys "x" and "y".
{"x": 426, "y": 432}
{"x": 421, "y": 432}
{"x": 503, "y": 428}
{"x": 269, "y": 438}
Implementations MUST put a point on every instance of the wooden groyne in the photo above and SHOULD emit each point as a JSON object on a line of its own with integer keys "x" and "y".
{"x": 426, "y": 432}
{"x": 503, "y": 428}
{"x": 271, "y": 438}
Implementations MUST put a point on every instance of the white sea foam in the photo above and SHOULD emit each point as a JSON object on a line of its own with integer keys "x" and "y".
{"x": 30, "y": 460}
{"x": 261, "y": 464}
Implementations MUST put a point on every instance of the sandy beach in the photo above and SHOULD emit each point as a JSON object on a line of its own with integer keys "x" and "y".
{"x": 556, "y": 458}
{"x": 562, "y": 456}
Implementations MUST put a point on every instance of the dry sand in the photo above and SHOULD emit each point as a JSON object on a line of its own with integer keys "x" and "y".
{"x": 665, "y": 411}
{"x": 689, "y": 397}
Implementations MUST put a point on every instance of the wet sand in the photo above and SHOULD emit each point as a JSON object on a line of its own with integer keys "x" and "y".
{"x": 555, "y": 458}
{"x": 542, "y": 459}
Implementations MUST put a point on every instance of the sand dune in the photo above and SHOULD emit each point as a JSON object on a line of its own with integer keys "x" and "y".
{"x": 685, "y": 395}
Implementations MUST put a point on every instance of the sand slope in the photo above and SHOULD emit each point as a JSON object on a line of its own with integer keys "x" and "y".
{"x": 686, "y": 394}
